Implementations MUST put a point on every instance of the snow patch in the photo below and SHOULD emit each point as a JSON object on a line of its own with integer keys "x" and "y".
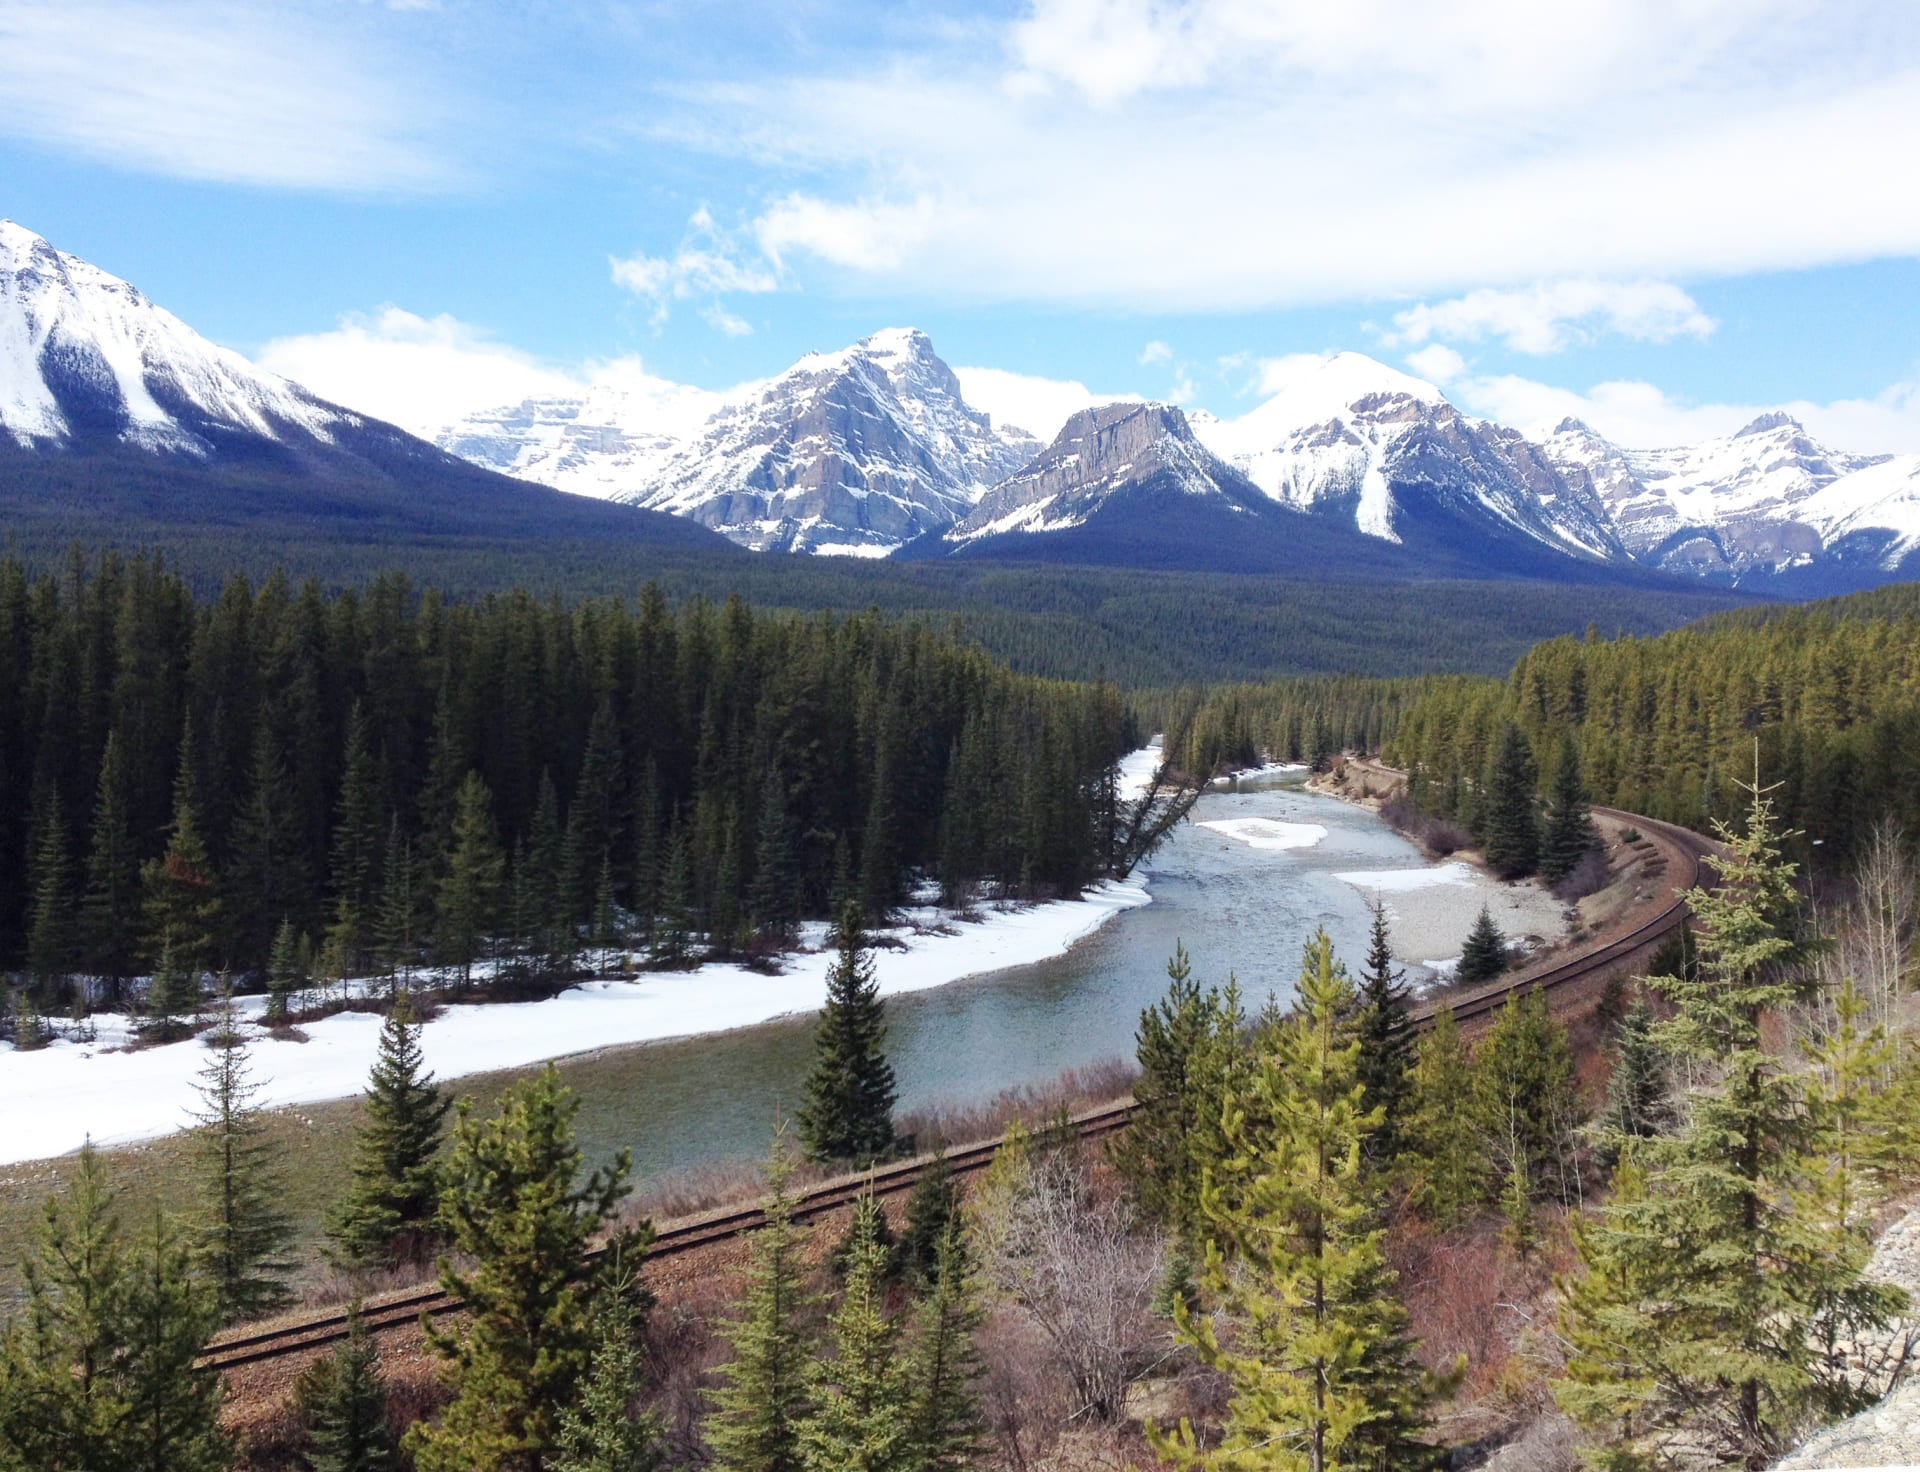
{"x": 1393, "y": 881}
{"x": 1269, "y": 833}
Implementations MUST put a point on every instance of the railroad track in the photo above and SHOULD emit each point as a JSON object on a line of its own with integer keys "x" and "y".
{"x": 693, "y": 1233}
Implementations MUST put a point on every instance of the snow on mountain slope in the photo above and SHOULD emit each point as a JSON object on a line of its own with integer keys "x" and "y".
{"x": 85, "y": 356}
{"x": 1346, "y": 432}
{"x": 1100, "y": 453}
{"x": 1876, "y": 507}
{"x": 613, "y": 441}
{"x": 855, "y": 451}
{"x": 1722, "y": 508}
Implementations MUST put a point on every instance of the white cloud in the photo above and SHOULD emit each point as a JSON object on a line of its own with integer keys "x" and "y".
{"x": 1037, "y": 405}
{"x": 1229, "y": 155}
{"x": 417, "y": 372}
{"x": 1156, "y": 352}
{"x": 868, "y": 235}
{"x": 1642, "y": 416}
{"x": 1550, "y": 316}
{"x": 212, "y": 90}
{"x": 707, "y": 264}
{"x": 1438, "y": 362}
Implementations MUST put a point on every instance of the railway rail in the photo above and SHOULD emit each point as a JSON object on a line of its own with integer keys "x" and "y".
{"x": 693, "y": 1233}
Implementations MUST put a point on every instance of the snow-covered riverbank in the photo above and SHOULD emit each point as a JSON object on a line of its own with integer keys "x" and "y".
{"x": 57, "y": 1097}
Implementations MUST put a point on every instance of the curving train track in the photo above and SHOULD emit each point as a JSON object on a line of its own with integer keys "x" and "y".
{"x": 693, "y": 1233}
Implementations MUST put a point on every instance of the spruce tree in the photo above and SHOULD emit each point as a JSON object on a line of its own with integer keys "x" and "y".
{"x": 180, "y": 898}
{"x": 396, "y": 928}
{"x": 859, "y": 1419}
{"x": 1484, "y": 955}
{"x": 773, "y": 902}
{"x": 1444, "y": 1140}
{"x": 762, "y": 1395}
{"x": 1637, "y": 1105}
{"x": 172, "y": 1003}
{"x": 245, "y": 1232}
{"x": 1508, "y": 819}
{"x": 391, "y": 1204}
{"x": 933, "y": 1208}
{"x": 286, "y": 976}
{"x": 1524, "y": 1099}
{"x": 1387, "y": 1045}
{"x": 1570, "y": 834}
{"x": 1190, "y": 1049}
{"x": 723, "y": 913}
{"x": 50, "y": 933}
{"x": 111, "y": 910}
{"x": 601, "y": 1433}
{"x": 945, "y": 1428}
{"x": 673, "y": 926}
{"x": 173, "y": 1403}
{"x": 1322, "y": 1372}
{"x": 847, "y": 1112}
{"x": 343, "y": 1404}
{"x": 470, "y": 887}
{"x": 1707, "y": 1290}
{"x": 353, "y": 864}
{"x": 514, "y": 1208}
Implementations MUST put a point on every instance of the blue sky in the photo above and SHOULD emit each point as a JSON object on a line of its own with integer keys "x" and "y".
{"x": 1661, "y": 214}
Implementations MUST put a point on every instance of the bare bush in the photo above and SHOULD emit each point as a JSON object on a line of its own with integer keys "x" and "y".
{"x": 1101, "y": 1082}
{"x": 1589, "y": 876}
{"x": 1060, "y": 1246}
{"x": 1438, "y": 836}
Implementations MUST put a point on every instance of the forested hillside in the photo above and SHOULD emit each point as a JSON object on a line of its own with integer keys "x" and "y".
{"x": 1139, "y": 629}
{"x": 1306, "y": 719}
{"x": 182, "y": 781}
{"x": 1668, "y": 726}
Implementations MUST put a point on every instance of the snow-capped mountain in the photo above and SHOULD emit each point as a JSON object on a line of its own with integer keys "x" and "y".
{"x": 1725, "y": 508}
{"x": 117, "y": 420}
{"x": 1350, "y": 437}
{"x": 84, "y": 357}
{"x": 1099, "y": 454}
{"x": 855, "y": 451}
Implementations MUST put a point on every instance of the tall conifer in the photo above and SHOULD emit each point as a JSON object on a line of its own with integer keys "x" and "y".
{"x": 1387, "y": 1044}
{"x": 343, "y": 1401}
{"x": 111, "y": 909}
{"x": 245, "y": 1232}
{"x": 945, "y": 1427}
{"x": 392, "y": 1202}
{"x": 50, "y": 933}
{"x": 859, "y": 1419}
{"x": 847, "y": 1111}
{"x": 1506, "y": 813}
{"x": 1570, "y": 834}
{"x": 470, "y": 888}
{"x": 1484, "y": 956}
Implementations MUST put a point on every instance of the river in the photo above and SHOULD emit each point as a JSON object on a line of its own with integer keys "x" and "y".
{"x": 1239, "y": 910}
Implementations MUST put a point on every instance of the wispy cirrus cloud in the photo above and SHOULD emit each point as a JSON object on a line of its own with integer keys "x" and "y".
{"x": 216, "y": 91}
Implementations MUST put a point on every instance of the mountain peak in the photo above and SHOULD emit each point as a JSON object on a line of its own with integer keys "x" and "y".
{"x": 1777, "y": 419}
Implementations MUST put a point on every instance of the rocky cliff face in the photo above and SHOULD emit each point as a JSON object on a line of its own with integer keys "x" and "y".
{"x": 1099, "y": 454}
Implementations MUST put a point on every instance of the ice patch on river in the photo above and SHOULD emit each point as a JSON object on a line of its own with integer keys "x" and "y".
{"x": 1269, "y": 833}
{"x": 1398, "y": 881}
{"x": 54, "y": 1099}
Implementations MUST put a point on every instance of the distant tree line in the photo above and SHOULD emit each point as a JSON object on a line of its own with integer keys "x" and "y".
{"x": 1668, "y": 725}
{"x": 1310, "y": 718}
{"x": 276, "y": 778}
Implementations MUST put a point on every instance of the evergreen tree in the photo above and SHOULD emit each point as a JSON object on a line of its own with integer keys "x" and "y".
{"x": 774, "y": 900}
{"x": 354, "y": 862}
{"x": 267, "y": 875}
{"x": 173, "y": 1403}
{"x": 1637, "y": 1105}
{"x": 1570, "y": 834}
{"x": 173, "y": 1001}
{"x": 1387, "y": 1045}
{"x": 542, "y": 898}
{"x": 392, "y": 1201}
{"x": 602, "y": 1433}
{"x": 1707, "y": 1289}
{"x": 343, "y": 1404}
{"x": 50, "y": 936}
{"x": 1524, "y": 1099}
{"x": 1508, "y": 820}
{"x": 111, "y": 909}
{"x": 723, "y": 914}
{"x": 512, "y": 1205}
{"x": 470, "y": 887}
{"x": 179, "y": 896}
{"x": 860, "y": 1419}
{"x": 847, "y": 1112}
{"x": 1444, "y": 1143}
{"x": 245, "y": 1232}
{"x": 933, "y": 1209}
{"x": 1323, "y": 1374}
{"x": 1190, "y": 1050}
{"x": 944, "y": 1423}
{"x": 762, "y": 1396}
{"x": 396, "y": 927}
{"x": 1484, "y": 956}
{"x": 673, "y": 926}
{"x": 286, "y": 975}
